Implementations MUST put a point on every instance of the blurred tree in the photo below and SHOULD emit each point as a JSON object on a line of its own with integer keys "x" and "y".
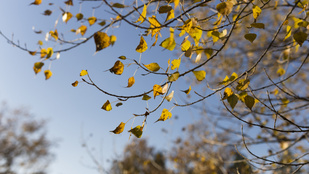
{"x": 24, "y": 147}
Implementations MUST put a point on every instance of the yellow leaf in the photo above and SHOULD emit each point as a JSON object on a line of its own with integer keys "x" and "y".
{"x": 142, "y": 17}
{"x": 155, "y": 25}
{"x": 256, "y": 11}
{"x": 288, "y": 32}
{"x": 185, "y": 45}
{"x": 47, "y": 74}
{"x": 219, "y": 19}
{"x": 79, "y": 16}
{"x": 92, "y": 20}
{"x": 170, "y": 15}
{"x": 173, "y": 77}
{"x": 32, "y": 53}
{"x": 165, "y": 115}
{"x": 176, "y": 2}
{"x": 227, "y": 92}
{"x": 69, "y": 2}
{"x": 37, "y": 67}
{"x": 153, "y": 67}
{"x": 146, "y": 97}
{"x": 215, "y": 36}
{"x": 40, "y": 42}
{"x": 113, "y": 39}
{"x": 82, "y": 30}
{"x": 300, "y": 37}
{"x": 157, "y": 90}
{"x": 74, "y": 84}
{"x": 200, "y": 75}
{"x": 119, "y": 129}
{"x": 281, "y": 71}
{"x": 54, "y": 34}
{"x": 187, "y": 25}
{"x": 83, "y": 73}
{"x": 137, "y": 131}
{"x": 170, "y": 96}
{"x": 117, "y": 68}
{"x": 43, "y": 52}
{"x": 242, "y": 84}
{"x": 66, "y": 16}
{"x": 107, "y": 106}
{"x": 250, "y": 37}
{"x": 187, "y": 91}
{"x": 196, "y": 34}
{"x": 225, "y": 8}
{"x": 142, "y": 47}
{"x": 102, "y": 40}
{"x": 176, "y": 64}
{"x": 36, "y": 2}
{"x": 49, "y": 52}
{"x": 131, "y": 81}
{"x": 168, "y": 43}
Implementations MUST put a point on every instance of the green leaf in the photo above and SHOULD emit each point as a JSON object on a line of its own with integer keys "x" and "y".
{"x": 146, "y": 97}
{"x": 249, "y": 101}
{"x": 137, "y": 131}
{"x": 300, "y": 37}
{"x": 165, "y": 9}
{"x": 233, "y": 99}
{"x": 79, "y": 16}
{"x": 119, "y": 104}
{"x": 118, "y": 5}
{"x": 258, "y": 25}
{"x": 200, "y": 75}
{"x": 225, "y": 8}
{"x": 250, "y": 37}
{"x": 173, "y": 77}
{"x": 153, "y": 67}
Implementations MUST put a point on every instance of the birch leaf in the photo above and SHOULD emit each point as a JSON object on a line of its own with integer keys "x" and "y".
{"x": 119, "y": 129}
{"x": 107, "y": 106}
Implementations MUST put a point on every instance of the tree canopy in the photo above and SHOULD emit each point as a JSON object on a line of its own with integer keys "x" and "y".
{"x": 251, "y": 54}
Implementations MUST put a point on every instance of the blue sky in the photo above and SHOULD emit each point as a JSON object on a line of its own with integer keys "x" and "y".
{"x": 75, "y": 112}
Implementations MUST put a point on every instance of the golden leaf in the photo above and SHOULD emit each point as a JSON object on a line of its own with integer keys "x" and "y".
{"x": 173, "y": 77}
{"x": 82, "y": 30}
{"x": 36, "y": 2}
{"x": 176, "y": 63}
{"x": 146, "y": 97}
{"x": 165, "y": 115}
{"x": 142, "y": 47}
{"x": 66, "y": 16}
{"x": 157, "y": 90}
{"x": 43, "y": 52}
{"x": 79, "y": 16}
{"x": 155, "y": 25}
{"x": 142, "y": 17}
{"x": 107, "y": 106}
{"x": 256, "y": 11}
{"x": 83, "y": 73}
{"x": 54, "y": 34}
{"x": 47, "y": 74}
{"x": 200, "y": 75}
{"x": 227, "y": 92}
{"x": 119, "y": 129}
{"x": 74, "y": 84}
{"x": 153, "y": 67}
{"x": 187, "y": 91}
{"x": 92, "y": 20}
{"x": 69, "y": 2}
{"x": 113, "y": 39}
{"x": 37, "y": 67}
{"x": 102, "y": 40}
{"x": 117, "y": 68}
{"x": 49, "y": 52}
{"x": 131, "y": 81}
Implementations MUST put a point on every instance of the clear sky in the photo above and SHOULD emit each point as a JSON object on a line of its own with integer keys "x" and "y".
{"x": 74, "y": 113}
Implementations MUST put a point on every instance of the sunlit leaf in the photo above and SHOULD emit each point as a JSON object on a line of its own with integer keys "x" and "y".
{"x": 233, "y": 99}
{"x": 47, "y": 74}
{"x": 107, "y": 106}
{"x": 196, "y": 34}
{"x": 83, "y": 73}
{"x": 185, "y": 45}
{"x": 227, "y": 93}
{"x": 137, "y": 131}
{"x": 173, "y": 77}
{"x": 40, "y": 42}
{"x": 168, "y": 43}
{"x": 113, "y": 39}
{"x": 157, "y": 90}
{"x": 155, "y": 25}
{"x": 43, "y": 53}
{"x": 82, "y": 30}
{"x": 32, "y": 53}
{"x": 66, "y": 16}
{"x": 119, "y": 129}
{"x": 187, "y": 25}
{"x": 146, "y": 97}
{"x": 300, "y": 37}
{"x": 54, "y": 34}
{"x": 281, "y": 71}
{"x": 92, "y": 20}
{"x": 49, "y": 52}
{"x": 242, "y": 84}
{"x": 117, "y": 68}
{"x": 165, "y": 115}
{"x": 187, "y": 91}
{"x": 74, "y": 84}
{"x": 288, "y": 32}
{"x": 170, "y": 15}
{"x": 250, "y": 37}
{"x": 153, "y": 67}
{"x": 249, "y": 101}
{"x": 165, "y": 88}
{"x": 79, "y": 16}
{"x": 256, "y": 11}
{"x": 102, "y": 40}
{"x": 131, "y": 81}
{"x": 170, "y": 96}
{"x": 142, "y": 17}
{"x": 200, "y": 75}
{"x": 37, "y": 67}
{"x": 176, "y": 64}
{"x": 36, "y": 2}
{"x": 142, "y": 47}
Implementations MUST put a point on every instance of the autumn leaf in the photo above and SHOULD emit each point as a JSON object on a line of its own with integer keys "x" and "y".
{"x": 102, "y": 23}
{"x": 69, "y": 2}
{"x": 242, "y": 84}
{"x": 200, "y": 75}
{"x": 83, "y": 73}
{"x": 119, "y": 104}
{"x": 170, "y": 96}
{"x": 43, "y": 53}
{"x": 82, "y": 30}
{"x": 153, "y": 67}
{"x": 36, "y": 2}
{"x": 37, "y": 67}
{"x": 185, "y": 45}
{"x": 142, "y": 47}
{"x": 227, "y": 93}
{"x": 196, "y": 34}
{"x": 119, "y": 129}
{"x": 176, "y": 63}
{"x": 250, "y": 37}
{"x": 79, "y": 16}
{"x": 170, "y": 15}
{"x": 32, "y": 53}
{"x": 256, "y": 11}
{"x": 146, "y": 97}
{"x": 49, "y": 52}
{"x": 157, "y": 90}
{"x": 118, "y": 5}
{"x": 74, "y": 84}
{"x": 117, "y": 68}
{"x": 281, "y": 71}
{"x": 107, "y": 106}
{"x": 168, "y": 43}
{"x": 66, "y": 16}
{"x": 113, "y": 39}
{"x": 102, "y": 40}
{"x": 131, "y": 81}
{"x": 165, "y": 115}
{"x": 225, "y": 8}
{"x": 288, "y": 32}
{"x": 165, "y": 9}
{"x": 155, "y": 25}
{"x": 165, "y": 88}
{"x": 208, "y": 52}
{"x": 122, "y": 57}
{"x": 47, "y": 74}
{"x": 173, "y": 77}
{"x": 137, "y": 131}
{"x": 187, "y": 91}
{"x": 92, "y": 20}
{"x": 142, "y": 17}
{"x": 54, "y": 34}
